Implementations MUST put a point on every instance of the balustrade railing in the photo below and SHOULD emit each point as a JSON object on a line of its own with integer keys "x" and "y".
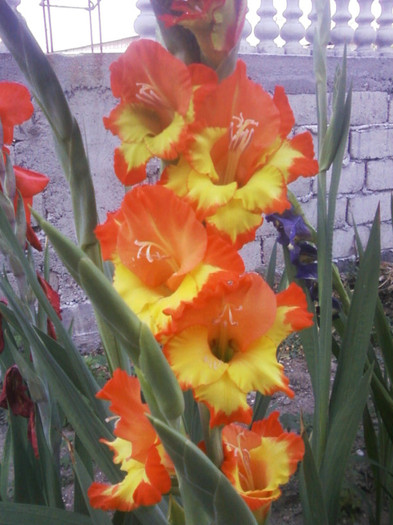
{"x": 365, "y": 26}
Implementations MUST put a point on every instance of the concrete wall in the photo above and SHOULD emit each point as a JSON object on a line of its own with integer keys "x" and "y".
{"x": 368, "y": 165}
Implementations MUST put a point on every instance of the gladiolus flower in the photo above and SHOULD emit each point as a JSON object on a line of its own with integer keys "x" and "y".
{"x": 161, "y": 252}
{"x": 216, "y": 24}
{"x": 14, "y": 397}
{"x": 155, "y": 92}
{"x": 259, "y": 460}
{"x": 15, "y": 108}
{"x": 223, "y": 345}
{"x": 240, "y": 161}
{"x": 137, "y": 449}
{"x": 29, "y": 183}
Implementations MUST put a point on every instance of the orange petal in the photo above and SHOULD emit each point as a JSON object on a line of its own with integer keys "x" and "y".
{"x": 286, "y": 115}
{"x": 124, "y": 393}
{"x": 294, "y": 301}
{"x": 137, "y": 69}
{"x": 160, "y": 238}
{"x": 15, "y": 108}
{"x": 29, "y": 182}
{"x": 245, "y": 306}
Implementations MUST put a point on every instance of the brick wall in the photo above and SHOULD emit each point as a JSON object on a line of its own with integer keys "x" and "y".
{"x": 367, "y": 177}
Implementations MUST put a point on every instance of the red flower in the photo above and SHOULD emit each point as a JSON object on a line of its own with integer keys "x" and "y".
{"x": 29, "y": 183}
{"x": 15, "y": 108}
{"x": 54, "y": 299}
{"x": 15, "y": 398}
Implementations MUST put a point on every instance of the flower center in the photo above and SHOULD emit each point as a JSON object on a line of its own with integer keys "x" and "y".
{"x": 150, "y": 251}
{"x": 245, "y": 474}
{"x": 148, "y": 95}
{"x": 241, "y": 131}
{"x": 222, "y": 345}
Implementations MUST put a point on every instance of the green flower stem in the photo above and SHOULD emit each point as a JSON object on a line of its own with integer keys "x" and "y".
{"x": 212, "y": 437}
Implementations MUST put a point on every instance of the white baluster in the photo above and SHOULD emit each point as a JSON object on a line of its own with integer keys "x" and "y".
{"x": 384, "y": 38}
{"x": 292, "y": 31}
{"x": 245, "y": 47}
{"x": 364, "y": 34}
{"x": 145, "y": 23}
{"x": 267, "y": 29}
{"x": 311, "y": 28}
{"x": 342, "y": 33}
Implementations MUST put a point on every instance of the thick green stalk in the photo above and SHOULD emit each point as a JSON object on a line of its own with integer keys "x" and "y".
{"x": 211, "y": 436}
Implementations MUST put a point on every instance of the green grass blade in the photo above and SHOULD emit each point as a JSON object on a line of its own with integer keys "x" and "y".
{"x": 50, "y": 472}
{"x": 384, "y": 337}
{"x": 335, "y": 137}
{"x": 342, "y": 433}
{"x": 371, "y": 442}
{"x": 17, "y": 514}
{"x": 356, "y": 338}
{"x": 79, "y": 410}
{"x": 271, "y": 269}
{"x": 5, "y": 465}
{"x": 97, "y": 516}
{"x": 27, "y": 475}
{"x": 311, "y": 491}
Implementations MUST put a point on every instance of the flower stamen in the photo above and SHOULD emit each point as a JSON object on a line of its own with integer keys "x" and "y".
{"x": 149, "y": 255}
{"x": 148, "y": 95}
{"x": 241, "y": 131}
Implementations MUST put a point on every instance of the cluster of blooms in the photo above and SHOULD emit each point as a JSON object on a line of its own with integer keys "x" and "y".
{"x": 16, "y": 108}
{"x": 15, "y": 181}
{"x": 228, "y": 160}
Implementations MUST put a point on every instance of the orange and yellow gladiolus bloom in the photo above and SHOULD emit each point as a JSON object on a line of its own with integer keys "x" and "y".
{"x": 136, "y": 448}
{"x": 223, "y": 345}
{"x": 161, "y": 252}
{"x": 240, "y": 160}
{"x": 15, "y": 108}
{"x": 155, "y": 92}
{"x": 259, "y": 460}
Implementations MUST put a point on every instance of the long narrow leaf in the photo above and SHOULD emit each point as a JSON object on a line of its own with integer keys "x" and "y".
{"x": 342, "y": 432}
{"x": 98, "y": 517}
{"x": 356, "y": 338}
{"x": 90, "y": 386}
{"x": 311, "y": 491}
{"x": 75, "y": 406}
{"x": 16, "y": 514}
{"x": 46, "y": 88}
